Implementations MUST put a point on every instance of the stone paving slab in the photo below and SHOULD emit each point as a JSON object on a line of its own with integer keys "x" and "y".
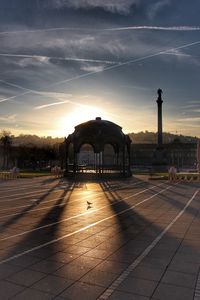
{"x": 88, "y": 263}
{"x": 138, "y": 286}
{"x": 32, "y": 294}
{"x": 179, "y": 279}
{"x": 52, "y": 284}
{"x": 117, "y": 295}
{"x": 100, "y": 278}
{"x": 172, "y": 292}
{"x": 9, "y": 289}
{"x": 83, "y": 291}
{"x": 25, "y": 277}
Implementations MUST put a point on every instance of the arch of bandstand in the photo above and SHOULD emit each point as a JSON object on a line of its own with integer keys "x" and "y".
{"x": 97, "y": 134}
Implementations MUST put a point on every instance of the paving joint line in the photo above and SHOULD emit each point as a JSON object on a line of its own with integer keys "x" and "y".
{"x": 175, "y": 252}
{"x": 79, "y": 230}
{"x": 48, "y": 201}
{"x": 138, "y": 260}
{"x": 73, "y": 217}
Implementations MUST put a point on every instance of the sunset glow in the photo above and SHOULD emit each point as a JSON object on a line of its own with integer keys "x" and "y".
{"x": 58, "y": 70}
{"x": 66, "y": 123}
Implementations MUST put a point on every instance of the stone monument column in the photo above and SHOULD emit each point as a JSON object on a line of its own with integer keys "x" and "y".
{"x": 159, "y": 162}
{"x": 159, "y": 103}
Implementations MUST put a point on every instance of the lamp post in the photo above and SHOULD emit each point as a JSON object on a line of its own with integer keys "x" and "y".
{"x": 159, "y": 104}
{"x": 198, "y": 157}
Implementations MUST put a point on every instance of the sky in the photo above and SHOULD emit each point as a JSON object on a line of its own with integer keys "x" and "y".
{"x": 64, "y": 62}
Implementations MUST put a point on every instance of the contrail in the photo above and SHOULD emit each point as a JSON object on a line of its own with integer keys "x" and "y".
{"x": 48, "y": 95}
{"x": 18, "y": 86}
{"x": 177, "y": 54}
{"x": 50, "y": 104}
{"x": 28, "y": 91}
{"x": 111, "y": 67}
{"x": 143, "y": 27}
{"x": 158, "y": 28}
{"x": 49, "y": 29}
{"x": 13, "y": 97}
{"x": 41, "y": 57}
{"x": 70, "y": 102}
{"x": 126, "y": 63}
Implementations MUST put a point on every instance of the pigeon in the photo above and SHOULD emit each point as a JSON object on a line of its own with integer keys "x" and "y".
{"x": 89, "y": 203}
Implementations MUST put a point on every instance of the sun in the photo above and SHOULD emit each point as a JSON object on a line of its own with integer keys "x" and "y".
{"x": 78, "y": 115}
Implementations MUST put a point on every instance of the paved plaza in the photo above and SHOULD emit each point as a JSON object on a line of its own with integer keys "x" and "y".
{"x": 112, "y": 239}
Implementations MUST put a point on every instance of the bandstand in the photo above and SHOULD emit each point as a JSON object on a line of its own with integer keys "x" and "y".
{"x": 97, "y": 147}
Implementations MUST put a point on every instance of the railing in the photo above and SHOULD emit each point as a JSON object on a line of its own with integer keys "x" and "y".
{"x": 188, "y": 177}
{"x": 7, "y": 175}
{"x": 178, "y": 176}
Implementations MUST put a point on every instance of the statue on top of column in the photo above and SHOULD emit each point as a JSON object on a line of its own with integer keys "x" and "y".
{"x": 159, "y": 91}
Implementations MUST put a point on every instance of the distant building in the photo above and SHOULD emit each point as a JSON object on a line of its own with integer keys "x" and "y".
{"x": 182, "y": 155}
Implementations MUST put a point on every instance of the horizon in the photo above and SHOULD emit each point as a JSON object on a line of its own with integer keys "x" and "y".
{"x": 128, "y": 133}
{"x": 65, "y": 62}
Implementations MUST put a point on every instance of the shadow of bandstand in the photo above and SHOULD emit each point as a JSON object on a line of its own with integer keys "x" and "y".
{"x": 47, "y": 232}
{"x": 138, "y": 232}
{"x": 125, "y": 237}
{"x": 28, "y": 209}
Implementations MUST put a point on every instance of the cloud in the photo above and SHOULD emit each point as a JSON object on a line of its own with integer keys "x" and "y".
{"x": 143, "y": 88}
{"x": 157, "y": 7}
{"x": 90, "y": 73}
{"x": 40, "y": 59}
{"x": 181, "y": 56}
{"x": 8, "y": 118}
{"x": 90, "y": 68}
{"x": 33, "y": 61}
{"x": 176, "y": 52}
{"x": 8, "y": 121}
{"x": 192, "y": 111}
{"x": 113, "y": 6}
{"x": 189, "y": 119}
{"x": 103, "y": 46}
{"x": 24, "y": 31}
{"x": 193, "y": 105}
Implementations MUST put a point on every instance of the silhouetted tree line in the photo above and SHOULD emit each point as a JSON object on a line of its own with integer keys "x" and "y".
{"x": 34, "y": 140}
{"x": 29, "y": 151}
{"x": 6, "y": 142}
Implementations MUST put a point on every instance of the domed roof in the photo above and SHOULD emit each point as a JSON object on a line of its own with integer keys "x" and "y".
{"x": 99, "y": 128}
{"x": 97, "y": 133}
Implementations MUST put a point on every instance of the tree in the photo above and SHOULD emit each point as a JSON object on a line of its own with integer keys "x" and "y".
{"x": 6, "y": 141}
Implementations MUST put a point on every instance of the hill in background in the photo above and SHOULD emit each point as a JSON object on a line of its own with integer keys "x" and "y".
{"x": 34, "y": 140}
{"x": 145, "y": 137}
{"x": 148, "y": 137}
